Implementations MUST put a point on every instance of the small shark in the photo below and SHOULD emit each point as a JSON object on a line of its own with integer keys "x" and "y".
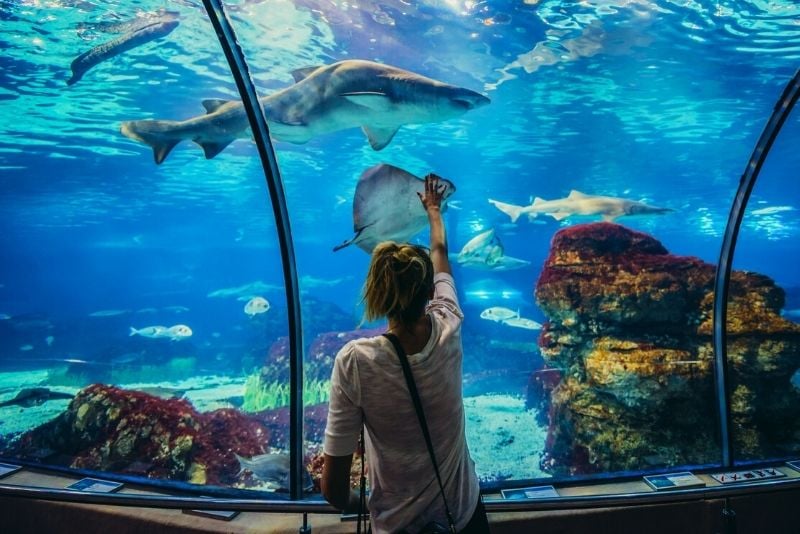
{"x": 139, "y": 35}
{"x": 484, "y": 247}
{"x": 28, "y": 397}
{"x": 379, "y": 98}
{"x": 578, "y": 203}
{"x": 485, "y": 252}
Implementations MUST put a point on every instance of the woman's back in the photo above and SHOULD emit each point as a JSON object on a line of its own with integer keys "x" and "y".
{"x": 404, "y": 490}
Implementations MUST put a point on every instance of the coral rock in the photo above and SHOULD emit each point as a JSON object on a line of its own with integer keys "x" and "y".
{"x": 110, "y": 429}
{"x": 629, "y": 327}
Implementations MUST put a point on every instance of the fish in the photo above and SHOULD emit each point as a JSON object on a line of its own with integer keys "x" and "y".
{"x": 163, "y": 392}
{"x": 126, "y": 359}
{"x": 153, "y": 332}
{"x": 28, "y": 397}
{"x": 313, "y": 282}
{"x": 273, "y": 468}
{"x": 178, "y": 332}
{"x": 771, "y": 210}
{"x": 4, "y": 317}
{"x": 522, "y": 322}
{"x": 499, "y": 313}
{"x": 176, "y": 309}
{"x": 49, "y": 340}
{"x": 256, "y": 305}
{"x": 147, "y": 310}
{"x": 126, "y": 26}
{"x": 137, "y": 37}
{"x": 352, "y": 93}
{"x": 503, "y": 263}
{"x": 245, "y": 290}
{"x": 484, "y": 247}
{"x": 578, "y": 203}
{"x": 26, "y": 348}
{"x": 385, "y": 207}
{"x": 485, "y": 252}
{"x": 108, "y": 313}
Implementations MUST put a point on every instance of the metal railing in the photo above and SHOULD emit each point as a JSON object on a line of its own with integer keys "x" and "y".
{"x": 319, "y": 507}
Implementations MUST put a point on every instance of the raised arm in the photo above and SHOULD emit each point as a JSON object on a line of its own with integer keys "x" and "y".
{"x": 432, "y": 202}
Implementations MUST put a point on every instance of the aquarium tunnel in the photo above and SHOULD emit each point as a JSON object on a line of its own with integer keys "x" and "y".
{"x": 191, "y": 191}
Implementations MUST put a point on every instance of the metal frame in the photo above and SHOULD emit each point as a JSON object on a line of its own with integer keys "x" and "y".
{"x": 318, "y": 507}
{"x": 721, "y": 370}
{"x": 258, "y": 125}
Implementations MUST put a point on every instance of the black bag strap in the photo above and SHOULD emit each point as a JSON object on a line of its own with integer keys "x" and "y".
{"x": 412, "y": 388}
{"x": 362, "y": 494}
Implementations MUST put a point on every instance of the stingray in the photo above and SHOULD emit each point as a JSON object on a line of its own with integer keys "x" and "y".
{"x": 386, "y": 207}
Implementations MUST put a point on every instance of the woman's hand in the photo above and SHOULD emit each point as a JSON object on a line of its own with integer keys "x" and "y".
{"x": 434, "y": 192}
{"x": 432, "y": 202}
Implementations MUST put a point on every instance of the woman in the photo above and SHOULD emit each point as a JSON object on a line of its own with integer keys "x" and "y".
{"x": 368, "y": 385}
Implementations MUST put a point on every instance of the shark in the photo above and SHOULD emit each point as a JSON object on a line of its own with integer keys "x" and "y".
{"x": 35, "y": 396}
{"x": 484, "y": 247}
{"x": 485, "y": 252}
{"x": 578, "y": 203}
{"x": 376, "y": 97}
{"x": 140, "y": 34}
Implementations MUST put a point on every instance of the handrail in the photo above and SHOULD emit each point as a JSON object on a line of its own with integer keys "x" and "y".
{"x": 319, "y": 507}
{"x": 723, "y": 274}
{"x": 258, "y": 125}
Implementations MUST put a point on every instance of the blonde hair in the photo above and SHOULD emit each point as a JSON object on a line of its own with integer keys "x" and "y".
{"x": 399, "y": 282}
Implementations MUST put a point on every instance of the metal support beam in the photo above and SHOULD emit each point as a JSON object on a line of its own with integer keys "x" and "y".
{"x": 258, "y": 125}
{"x": 721, "y": 372}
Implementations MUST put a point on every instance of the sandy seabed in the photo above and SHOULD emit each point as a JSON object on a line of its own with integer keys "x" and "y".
{"x": 504, "y": 439}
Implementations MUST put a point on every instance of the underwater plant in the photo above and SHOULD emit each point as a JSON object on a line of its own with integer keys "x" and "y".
{"x": 260, "y": 395}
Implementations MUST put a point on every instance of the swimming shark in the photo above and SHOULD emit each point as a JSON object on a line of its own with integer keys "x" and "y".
{"x": 379, "y": 98}
{"x": 35, "y": 396}
{"x": 485, "y": 252}
{"x": 484, "y": 247}
{"x": 578, "y": 203}
{"x": 140, "y": 34}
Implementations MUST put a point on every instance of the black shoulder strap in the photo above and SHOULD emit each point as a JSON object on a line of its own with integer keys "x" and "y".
{"x": 412, "y": 388}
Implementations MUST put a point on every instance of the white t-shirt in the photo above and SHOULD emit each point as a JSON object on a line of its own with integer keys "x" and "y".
{"x": 368, "y": 379}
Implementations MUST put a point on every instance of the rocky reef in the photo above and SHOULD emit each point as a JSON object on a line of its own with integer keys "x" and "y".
{"x": 110, "y": 429}
{"x": 318, "y": 363}
{"x": 629, "y": 382}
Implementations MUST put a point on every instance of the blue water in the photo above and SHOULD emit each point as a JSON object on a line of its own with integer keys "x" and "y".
{"x": 658, "y": 100}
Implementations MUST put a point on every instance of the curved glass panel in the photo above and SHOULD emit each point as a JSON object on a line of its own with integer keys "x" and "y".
{"x": 581, "y": 341}
{"x": 139, "y": 300}
{"x": 764, "y": 310}
{"x": 608, "y": 136}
